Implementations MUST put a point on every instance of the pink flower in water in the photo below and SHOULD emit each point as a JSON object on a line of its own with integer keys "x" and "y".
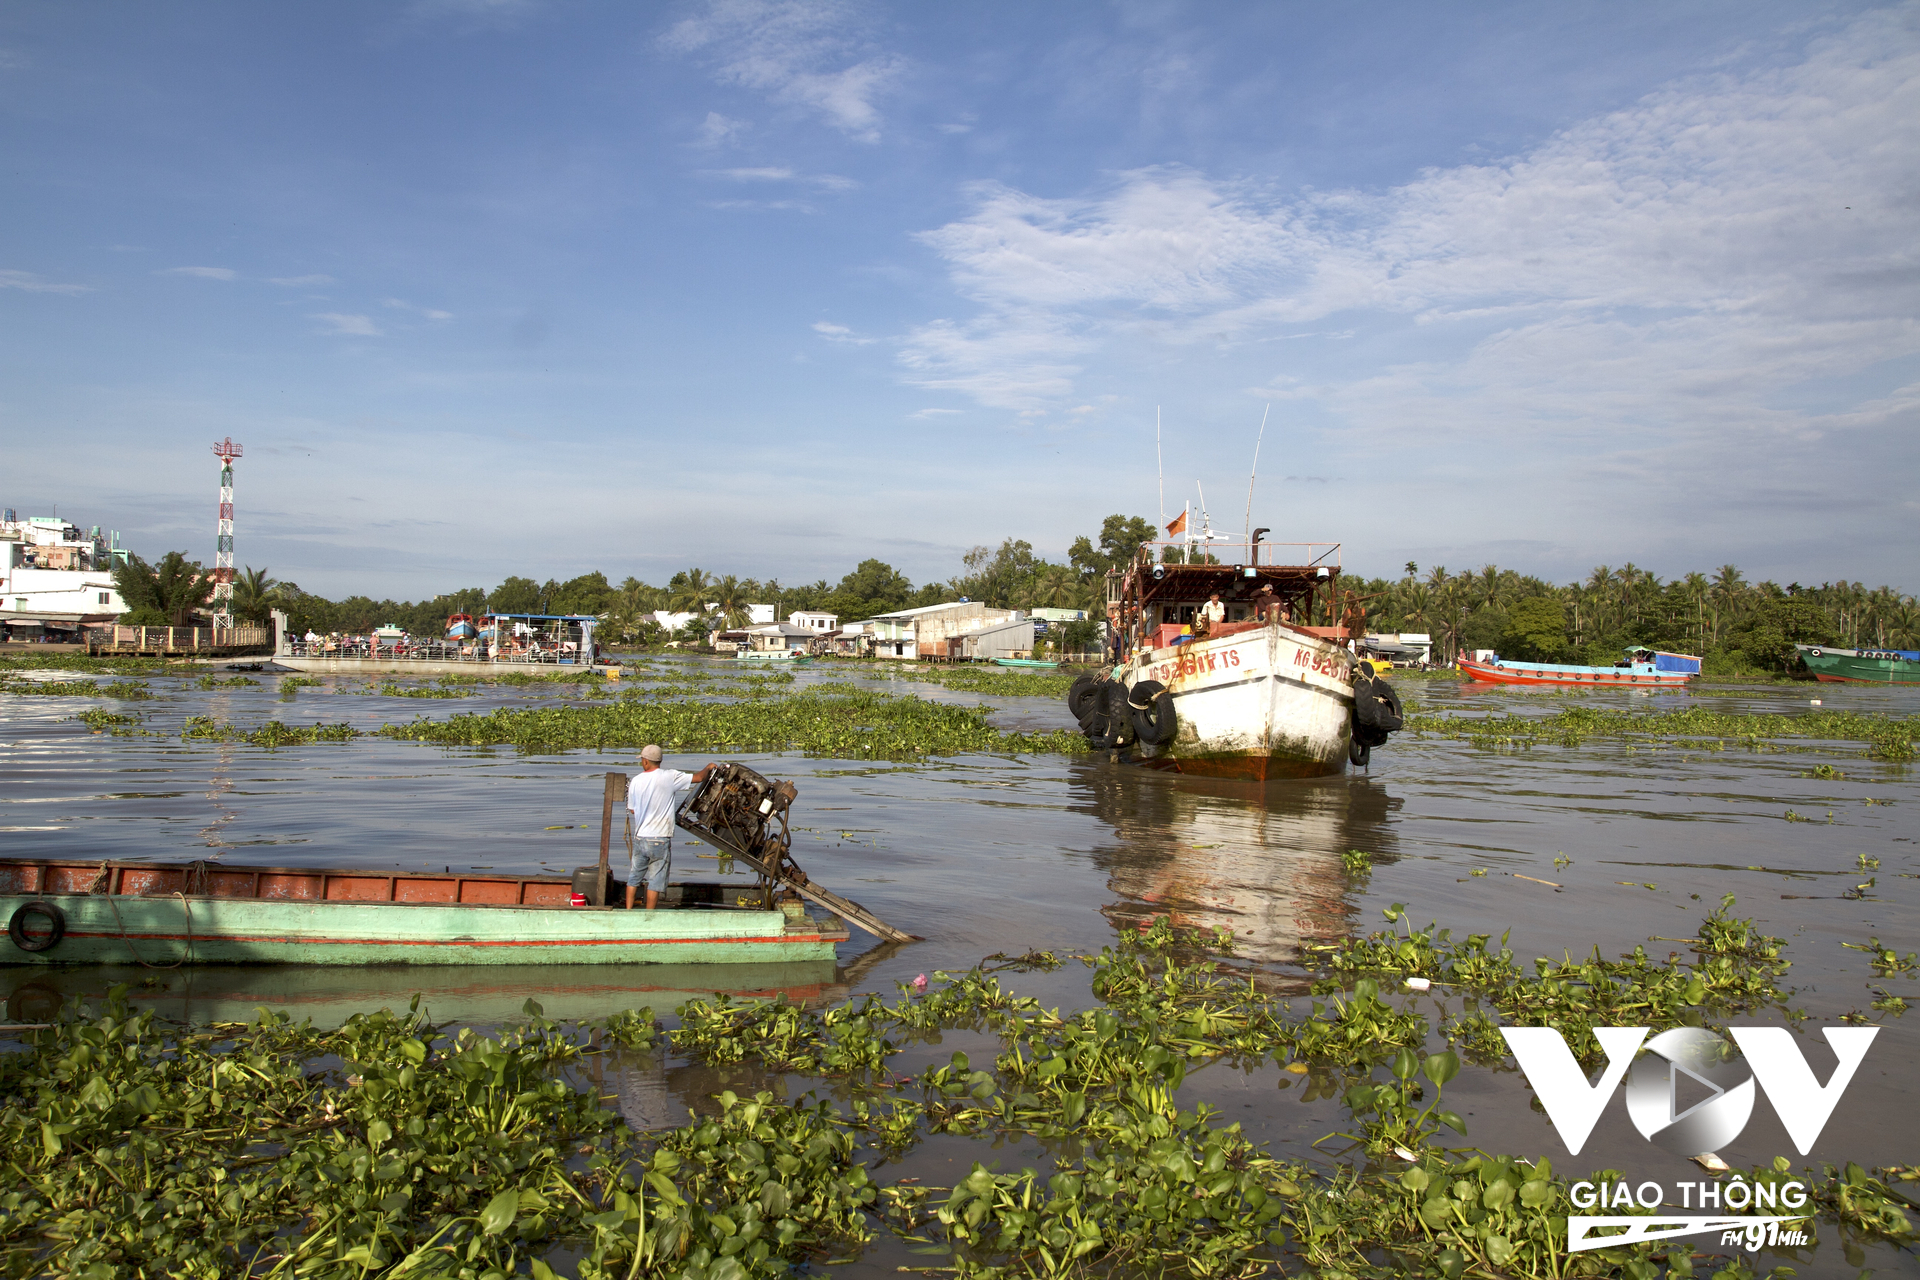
{"x": 920, "y": 983}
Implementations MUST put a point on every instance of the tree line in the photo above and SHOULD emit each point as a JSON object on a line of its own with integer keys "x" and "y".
{"x": 1734, "y": 625}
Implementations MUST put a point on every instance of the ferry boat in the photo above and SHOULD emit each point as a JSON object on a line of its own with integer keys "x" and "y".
{"x": 1643, "y": 669}
{"x": 1861, "y": 666}
{"x": 1261, "y": 694}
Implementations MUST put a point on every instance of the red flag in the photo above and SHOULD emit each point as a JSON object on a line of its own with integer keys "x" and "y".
{"x": 1179, "y": 525}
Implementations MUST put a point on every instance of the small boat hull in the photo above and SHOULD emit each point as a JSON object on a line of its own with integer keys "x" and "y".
{"x": 1639, "y": 676}
{"x": 161, "y": 913}
{"x": 770, "y": 655}
{"x": 1861, "y": 666}
{"x": 1264, "y": 703}
{"x": 1026, "y": 662}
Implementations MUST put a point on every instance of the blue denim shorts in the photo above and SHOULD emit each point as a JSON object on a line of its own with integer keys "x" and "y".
{"x": 648, "y": 869}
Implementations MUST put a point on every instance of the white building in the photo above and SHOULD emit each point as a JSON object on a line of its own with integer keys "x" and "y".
{"x": 759, "y": 615}
{"x": 818, "y": 623}
{"x": 48, "y": 566}
{"x": 926, "y": 632}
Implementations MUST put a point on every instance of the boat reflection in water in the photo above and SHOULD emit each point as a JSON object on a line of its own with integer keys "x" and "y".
{"x": 1261, "y": 859}
{"x": 482, "y": 995}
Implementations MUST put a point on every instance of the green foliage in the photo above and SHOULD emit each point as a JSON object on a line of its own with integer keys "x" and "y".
{"x": 1888, "y": 737}
{"x": 164, "y": 594}
{"x": 1536, "y": 630}
{"x": 125, "y": 690}
{"x": 852, "y": 723}
{"x": 1485, "y": 628}
{"x": 253, "y": 596}
{"x": 270, "y": 735}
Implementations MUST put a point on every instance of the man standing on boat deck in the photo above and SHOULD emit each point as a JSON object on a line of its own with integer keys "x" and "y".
{"x": 652, "y": 796}
{"x": 1212, "y": 614}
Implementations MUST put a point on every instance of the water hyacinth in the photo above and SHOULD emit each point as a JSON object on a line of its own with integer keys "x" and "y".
{"x": 850, "y": 723}
{"x": 1888, "y": 737}
{"x": 388, "y": 1148}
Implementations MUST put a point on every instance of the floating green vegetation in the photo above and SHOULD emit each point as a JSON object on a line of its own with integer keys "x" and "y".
{"x": 293, "y": 684}
{"x": 120, "y": 725}
{"x": 1358, "y": 862}
{"x": 1735, "y": 969}
{"x": 392, "y": 690}
{"x": 390, "y": 1148}
{"x": 87, "y": 665}
{"x": 126, "y": 690}
{"x": 1888, "y": 737}
{"x": 231, "y": 682}
{"x": 847, "y": 723}
{"x": 1006, "y": 681}
{"x": 270, "y": 735}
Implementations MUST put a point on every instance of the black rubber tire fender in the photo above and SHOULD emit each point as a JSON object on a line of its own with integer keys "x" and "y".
{"x": 1083, "y": 699}
{"x": 1118, "y": 715}
{"x": 1359, "y": 752}
{"x": 56, "y": 926}
{"x": 1150, "y": 709}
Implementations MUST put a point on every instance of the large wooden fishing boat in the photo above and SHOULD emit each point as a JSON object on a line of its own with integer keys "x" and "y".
{"x": 163, "y": 913}
{"x": 1643, "y": 669}
{"x": 1861, "y": 666}
{"x": 1260, "y": 693}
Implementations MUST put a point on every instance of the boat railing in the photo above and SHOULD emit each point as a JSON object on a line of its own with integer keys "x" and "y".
{"x": 1311, "y": 555}
{"x": 433, "y": 651}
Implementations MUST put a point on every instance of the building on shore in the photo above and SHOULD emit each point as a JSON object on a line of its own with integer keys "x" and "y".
{"x": 55, "y": 578}
{"x": 929, "y": 631}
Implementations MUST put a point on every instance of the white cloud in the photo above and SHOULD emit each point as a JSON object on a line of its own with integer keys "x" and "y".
{"x": 348, "y": 325}
{"x": 1675, "y": 263}
{"x": 28, "y": 282}
{"x": 824, "y": 181}
{"x": 804, "y": 52}
{"x": 717, "y": 130}
{"x": 295, "y": 282}
{"x": 925, "y": 414}
{"x": 400, "y": 304}
{"x": 13, "y": 60}
{"x": 204, "y": 273}
{"x": 840, "y": 333}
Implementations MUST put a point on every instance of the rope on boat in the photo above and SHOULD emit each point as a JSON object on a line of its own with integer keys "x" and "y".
{"x": 184, "y": 905}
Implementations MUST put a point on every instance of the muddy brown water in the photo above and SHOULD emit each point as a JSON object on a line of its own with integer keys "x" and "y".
{"x": 986, "y": 854}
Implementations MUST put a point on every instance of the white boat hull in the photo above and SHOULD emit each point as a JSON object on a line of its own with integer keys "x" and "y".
{"x": 1271, "y": 702}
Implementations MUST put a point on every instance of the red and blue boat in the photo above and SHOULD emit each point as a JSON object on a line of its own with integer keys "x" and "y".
{"x": 1643, "y": 669}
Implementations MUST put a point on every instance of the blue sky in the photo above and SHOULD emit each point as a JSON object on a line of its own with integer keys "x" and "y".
{"x": 522, "y": 287}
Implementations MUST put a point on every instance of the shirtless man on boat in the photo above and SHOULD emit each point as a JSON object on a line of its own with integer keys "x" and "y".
{"x": 652, "y": 796}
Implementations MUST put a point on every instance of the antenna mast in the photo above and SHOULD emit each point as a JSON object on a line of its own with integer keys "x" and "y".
{"x": 225, "y": 450}
{"x": 1160, "y": 466}
{"x": 1256, "y": 468}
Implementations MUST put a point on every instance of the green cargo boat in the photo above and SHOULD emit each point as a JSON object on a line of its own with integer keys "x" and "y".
{"x": 153, "y": 913}
{"x": 1861, "y": 666}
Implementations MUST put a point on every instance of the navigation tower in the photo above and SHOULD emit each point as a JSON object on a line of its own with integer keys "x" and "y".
{"x": 225, "y": 450}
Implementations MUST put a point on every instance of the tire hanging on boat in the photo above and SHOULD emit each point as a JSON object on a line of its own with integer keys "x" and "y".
{"x": 56, "y": 926}
{"x": 1376, "y": 714}
{"x": 1083, "y": 699}
{"x": 1150, "y": 711}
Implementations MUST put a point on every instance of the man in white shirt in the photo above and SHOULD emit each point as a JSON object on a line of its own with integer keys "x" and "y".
{"x": 1212, "y": 614}
{"x": 653, "y": 795}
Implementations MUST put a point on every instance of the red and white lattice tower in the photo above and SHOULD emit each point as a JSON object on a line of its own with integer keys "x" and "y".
{"x": 226, "y": 450}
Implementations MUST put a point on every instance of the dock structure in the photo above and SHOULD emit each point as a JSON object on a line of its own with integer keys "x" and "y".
{"x": 178, "y": 642}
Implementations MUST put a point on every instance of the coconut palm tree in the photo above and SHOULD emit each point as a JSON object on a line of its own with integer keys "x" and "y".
{"x": 728, "y": 600}
{"x": 693, "y": 593}
{"x": 253, "y": 595}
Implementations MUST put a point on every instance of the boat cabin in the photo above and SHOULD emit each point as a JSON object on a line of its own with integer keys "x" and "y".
{"x": 1156, "y": 599}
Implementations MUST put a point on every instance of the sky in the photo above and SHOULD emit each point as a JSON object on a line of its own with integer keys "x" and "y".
{"x": 768, "y": 287}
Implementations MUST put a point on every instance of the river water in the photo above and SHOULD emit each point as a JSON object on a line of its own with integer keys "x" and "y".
{"x": 986, "y": 854}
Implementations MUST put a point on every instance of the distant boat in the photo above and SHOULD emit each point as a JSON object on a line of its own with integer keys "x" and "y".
{"x": 770, "y": 655}
{"x": 460, "y": 627}
{"x": 1026, "y": 662}
{"x": 1861, "y": 666}
{"x": 1644, "y": 669}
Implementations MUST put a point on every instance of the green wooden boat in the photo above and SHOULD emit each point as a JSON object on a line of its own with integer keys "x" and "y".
{"x": 62, "y": 913}
{"x": 1861, "y": 666}
{"x": 1026, "y": 662}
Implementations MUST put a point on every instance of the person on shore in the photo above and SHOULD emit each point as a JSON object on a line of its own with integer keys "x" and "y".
{"x": 652, "y": 796}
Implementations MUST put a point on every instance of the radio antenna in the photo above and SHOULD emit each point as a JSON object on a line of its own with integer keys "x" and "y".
{"x": 1256, "y": 468}
{"x": 1160, "y": 466}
